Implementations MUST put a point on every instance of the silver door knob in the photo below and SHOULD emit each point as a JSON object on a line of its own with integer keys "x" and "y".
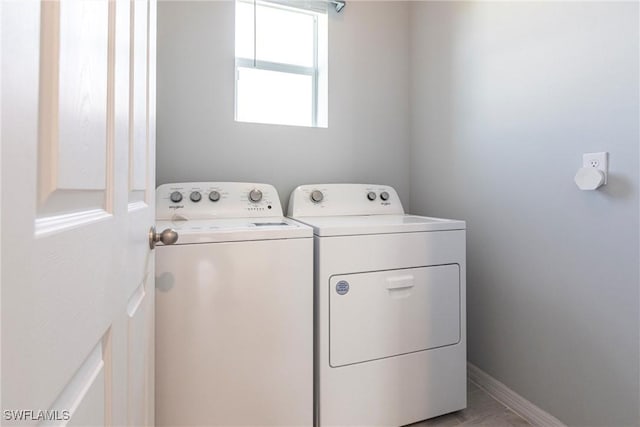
{"x": 168, "y": 237}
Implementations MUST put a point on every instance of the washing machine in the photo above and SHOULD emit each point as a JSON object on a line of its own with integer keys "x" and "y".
{"x": 390, "y": 335}
{"x": 234, "y": 324}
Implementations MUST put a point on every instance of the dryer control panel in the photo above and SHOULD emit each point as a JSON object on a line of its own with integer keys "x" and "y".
{"x": 344, "y": 199}
{"x": 209, "y": 200}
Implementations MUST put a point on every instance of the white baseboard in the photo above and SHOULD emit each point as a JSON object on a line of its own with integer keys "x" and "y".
{"x": 518, "y": 404}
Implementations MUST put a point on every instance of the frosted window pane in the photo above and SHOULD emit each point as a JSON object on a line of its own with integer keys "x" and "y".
{"x": 244, "y": 30}
{"x": 284, "y": 36}
{"x": 274, "y": 97}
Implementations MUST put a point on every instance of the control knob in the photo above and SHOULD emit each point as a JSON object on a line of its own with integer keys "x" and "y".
{"x": 371, "y": 195}
{"x": 255, "y": 195}
{"x": 214, "y": 196}
{"x": 176, "y": 197}
{"x": 316, "y": 196}
{"x": 195, "y": 196}
{"x": 384, "y": 195}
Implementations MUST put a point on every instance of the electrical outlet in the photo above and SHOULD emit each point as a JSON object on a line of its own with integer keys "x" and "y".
{"x": 597, "y": 160}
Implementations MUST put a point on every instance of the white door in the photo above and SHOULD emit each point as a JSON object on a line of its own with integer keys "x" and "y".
{"x": 78, "y": 156}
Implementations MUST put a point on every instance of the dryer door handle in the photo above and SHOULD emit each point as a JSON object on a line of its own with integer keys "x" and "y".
{"x": 400, "y": 282}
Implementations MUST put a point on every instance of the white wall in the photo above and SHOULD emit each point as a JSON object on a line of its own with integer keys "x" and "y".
{"x": 505, "y": 99}
{"x": 367, "y": 139}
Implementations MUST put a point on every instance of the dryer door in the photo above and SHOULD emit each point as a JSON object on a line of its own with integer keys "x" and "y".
{"x": 389, "y": 313}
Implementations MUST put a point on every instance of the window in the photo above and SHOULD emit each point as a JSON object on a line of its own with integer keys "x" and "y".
{"x": 281, "y": 63}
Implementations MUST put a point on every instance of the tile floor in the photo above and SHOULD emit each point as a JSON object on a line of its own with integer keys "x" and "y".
{"x": 482, "y": 410}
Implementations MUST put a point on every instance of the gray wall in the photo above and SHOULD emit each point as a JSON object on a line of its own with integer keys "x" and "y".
{"x": 505, "y": 99}
{"x": 368, "y": 135}
{"x": 490, "y": 107}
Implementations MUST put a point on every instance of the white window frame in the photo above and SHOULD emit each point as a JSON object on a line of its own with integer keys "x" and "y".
{"x": 281, "y": 66}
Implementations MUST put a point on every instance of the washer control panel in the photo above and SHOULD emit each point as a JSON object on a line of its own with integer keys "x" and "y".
{"x": 344, "y": 199}
{"x": 207, "y": 200}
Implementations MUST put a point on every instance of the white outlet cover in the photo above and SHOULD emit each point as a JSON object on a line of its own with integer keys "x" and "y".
{"x": 599, "y": 161}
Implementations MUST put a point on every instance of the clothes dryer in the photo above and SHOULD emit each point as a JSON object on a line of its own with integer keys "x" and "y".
{"x": 390, "y": 307}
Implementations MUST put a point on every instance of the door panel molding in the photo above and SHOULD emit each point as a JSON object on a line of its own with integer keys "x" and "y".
{"x": 139, "y": 101}
{"x": 89, "y": 380}
{"x": 76, "y": 106}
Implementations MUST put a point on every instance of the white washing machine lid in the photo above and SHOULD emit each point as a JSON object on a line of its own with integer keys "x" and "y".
{"x": 235, "y": 229}
{"x": 378, "y": 224}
